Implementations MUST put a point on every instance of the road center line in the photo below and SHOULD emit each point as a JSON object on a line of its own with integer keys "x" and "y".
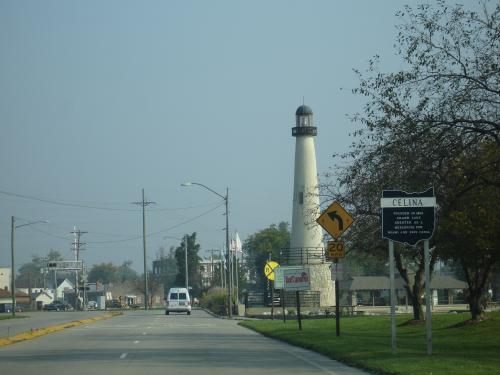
{"x": 136, "y": 342}
{"x": 123, "y": 355}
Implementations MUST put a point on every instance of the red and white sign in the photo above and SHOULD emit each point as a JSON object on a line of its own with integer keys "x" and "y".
{"x": 296, "y": 279}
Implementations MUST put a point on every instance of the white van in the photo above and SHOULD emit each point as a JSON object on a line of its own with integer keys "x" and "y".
{"x": 178, "y": 300}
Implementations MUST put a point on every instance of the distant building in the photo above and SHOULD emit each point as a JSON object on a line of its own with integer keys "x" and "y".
{"x": 5, "y": 278}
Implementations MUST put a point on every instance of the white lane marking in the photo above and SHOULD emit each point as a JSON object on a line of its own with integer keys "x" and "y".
{"x": 149, "y": 327}
{"x": 123, "y": 355}
{"x": 144, "y": 333}
{"x": 136, "y": 342}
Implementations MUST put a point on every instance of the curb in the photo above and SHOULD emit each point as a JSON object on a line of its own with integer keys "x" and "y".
{"x": 52, "y": 329}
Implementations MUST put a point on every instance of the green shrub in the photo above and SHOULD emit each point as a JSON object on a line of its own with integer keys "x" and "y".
{"x": 215, "y": 300}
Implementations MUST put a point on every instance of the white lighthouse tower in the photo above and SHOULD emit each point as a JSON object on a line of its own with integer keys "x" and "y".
{"x": 306, "y": 246}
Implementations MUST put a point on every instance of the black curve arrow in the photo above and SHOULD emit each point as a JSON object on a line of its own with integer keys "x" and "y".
{"x": 333, "y": 215}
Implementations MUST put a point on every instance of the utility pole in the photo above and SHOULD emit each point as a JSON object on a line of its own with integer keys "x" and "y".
{"x": 186, "y": 260}
{"x": 77, "y": 248}
{"x": 144, "y": 203}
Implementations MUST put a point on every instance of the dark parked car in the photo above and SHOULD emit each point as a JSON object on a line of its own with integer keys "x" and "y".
{"x": 7, "y": 308}
{"x": 113, "y": 304}
{"x": 57, "y": 306}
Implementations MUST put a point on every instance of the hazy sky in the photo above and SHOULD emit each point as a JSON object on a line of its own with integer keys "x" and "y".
{"x": 99, "y": 99}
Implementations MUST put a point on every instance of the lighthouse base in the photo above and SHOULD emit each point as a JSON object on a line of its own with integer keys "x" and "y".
{"x": 321, "y": 280}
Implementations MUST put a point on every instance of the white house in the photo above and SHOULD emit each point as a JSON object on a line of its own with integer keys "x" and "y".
{"x": 64, "y": 286}
{"x": 5, "y": 278}
{"x": 41, "y": 298}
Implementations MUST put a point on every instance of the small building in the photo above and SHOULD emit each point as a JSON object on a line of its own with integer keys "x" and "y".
{"x": 5, "y": 278}
{"x": 41, "y": 298}
{"x": 22, "y": 298}
{"x": 375, "y": 290}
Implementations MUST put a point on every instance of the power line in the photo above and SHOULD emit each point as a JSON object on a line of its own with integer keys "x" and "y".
{"x": 160, "y": 231}
{"x": 95, "y": 207}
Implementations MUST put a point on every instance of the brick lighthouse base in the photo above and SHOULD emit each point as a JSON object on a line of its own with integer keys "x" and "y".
{"x": 321, "y": 280}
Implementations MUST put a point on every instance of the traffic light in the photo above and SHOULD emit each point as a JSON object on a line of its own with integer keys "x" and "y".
{"x": 52, "y": 265}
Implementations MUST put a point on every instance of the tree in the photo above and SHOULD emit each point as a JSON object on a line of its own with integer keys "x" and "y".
{"x": 166, "y": 267}
{"x": 420, "y": 125}
{"x": 104, "y": 273}
{"x": 262, "y": 244}
{"x": 194, "y": 275}
{"x": 126, "y": 273}
{"x": 34, "y": 272}
{"x": 470, "y": 235}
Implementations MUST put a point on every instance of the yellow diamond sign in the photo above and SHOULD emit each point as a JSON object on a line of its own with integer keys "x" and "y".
{"x": 335, "y": 220}
{"x": 269, "y": 269}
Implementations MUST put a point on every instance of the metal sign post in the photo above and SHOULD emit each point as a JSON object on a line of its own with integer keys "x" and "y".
{"x": 428, "y": 298}
{"x": 337, "y": 300}
{"x": 393, "y": 297}
{"x": 335, "y": 220}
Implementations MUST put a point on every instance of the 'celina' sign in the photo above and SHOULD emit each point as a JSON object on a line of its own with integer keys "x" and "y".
{"x": 408, "y": 217}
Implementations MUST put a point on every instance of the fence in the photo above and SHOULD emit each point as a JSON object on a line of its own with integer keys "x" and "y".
{"x": 260, "y": 299}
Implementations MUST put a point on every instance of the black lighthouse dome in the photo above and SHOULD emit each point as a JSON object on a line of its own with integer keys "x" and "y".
{"x": 303, "y": 110}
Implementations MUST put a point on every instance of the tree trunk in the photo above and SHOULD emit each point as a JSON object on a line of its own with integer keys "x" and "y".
{"x": 413, "y": 287}
{"x": 477, "y": 278}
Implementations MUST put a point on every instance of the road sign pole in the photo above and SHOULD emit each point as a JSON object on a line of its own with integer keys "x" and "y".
{"x": 337, "y": 300}
{"x": 428, "y": 298}
{"x": 299, "y": 317}
{"x": 393, "y": 296}
{"x": 282, "y": 294}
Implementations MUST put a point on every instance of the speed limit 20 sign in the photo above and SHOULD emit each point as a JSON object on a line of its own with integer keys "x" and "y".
{"x": 335, "y": 250}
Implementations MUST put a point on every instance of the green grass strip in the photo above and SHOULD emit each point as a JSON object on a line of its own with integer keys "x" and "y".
{"x": 365, "y": 342}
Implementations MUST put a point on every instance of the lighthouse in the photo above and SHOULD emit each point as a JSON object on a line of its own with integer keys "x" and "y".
{"x": 306, "y": 245}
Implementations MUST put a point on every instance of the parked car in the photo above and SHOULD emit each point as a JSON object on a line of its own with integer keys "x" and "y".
{"x": 57, "y": 306}
{"x": 113, "y": 304}
{"x": 178, "y": 300}
{"x": 92, "y": 305}
{"x": 7, "y": 308}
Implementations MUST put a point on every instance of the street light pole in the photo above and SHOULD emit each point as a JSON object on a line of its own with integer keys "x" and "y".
{"x": 229, "y": 266}
{"x": 228, "y": 252}
{"x": 186, "y": 260}
{"x": 12, "y": 263}
{"x": 13, "y": 268}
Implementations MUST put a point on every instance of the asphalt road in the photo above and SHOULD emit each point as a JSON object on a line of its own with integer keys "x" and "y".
{"x": 149, "y": 342}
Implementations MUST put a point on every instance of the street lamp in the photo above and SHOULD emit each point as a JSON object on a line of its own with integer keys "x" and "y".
{"x": 226, "y": 201}
{"x": 12, "y": 270}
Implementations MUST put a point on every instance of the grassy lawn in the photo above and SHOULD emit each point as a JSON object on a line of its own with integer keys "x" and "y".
{"x": 366, "y": 342}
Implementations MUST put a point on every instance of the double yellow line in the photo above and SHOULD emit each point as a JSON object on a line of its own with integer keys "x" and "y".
{"x": 55, "y": 328}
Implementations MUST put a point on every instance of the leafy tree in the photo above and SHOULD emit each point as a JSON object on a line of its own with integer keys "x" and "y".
{"x": 470, "y": 235}
{"x": 33, "y": 273}
{"x": 104, "y": 273}
{"x": 126, "y": 273}
{"x": 194, "y": 274}
{"x": 423, "y": 126}
{"x": 166, "y": 267}
{"x": 258, "y": 247}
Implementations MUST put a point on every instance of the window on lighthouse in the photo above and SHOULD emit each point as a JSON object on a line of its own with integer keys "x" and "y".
{"x": 304, "y": 121}
{"x": 301, "y": 198}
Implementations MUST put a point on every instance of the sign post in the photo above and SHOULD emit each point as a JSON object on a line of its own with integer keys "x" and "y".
{"x": 335, "y": 220}
{"x": 296, "y": 278}
{"x": 269, "y": 271}
{"x": 409, "y": 218}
